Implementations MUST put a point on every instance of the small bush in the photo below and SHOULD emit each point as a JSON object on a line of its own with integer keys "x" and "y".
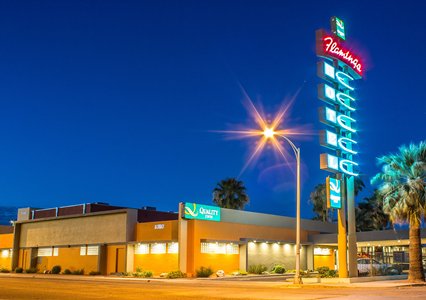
{"x": 325, "y": 272}
{"x": 143, "y": 274}
{"x": 19, "y": 270}
{"x": 78, "y": 272}
{"x": 239, "y": 273}
{"x": 139, "y": 270}
{"x": 322, "y": 270}
{"x": 67, "y": 272}
{"x": 176, "y": 274}
{"x": 204, "y": 272}
{"x": 4, "y": 270}
{"x": 94, "y": 273}
{"x": 278, "y": 269}
{"x": 56, "y": 270}
{"x": 31, "y": 270}
{"x": 257, "y": 269}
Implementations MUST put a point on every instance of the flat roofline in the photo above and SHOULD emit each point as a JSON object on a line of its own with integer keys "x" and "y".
{"x": 91, "y": 214}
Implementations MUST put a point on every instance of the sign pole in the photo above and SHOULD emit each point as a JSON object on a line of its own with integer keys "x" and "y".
{"x": 352, "y": 247}
{"x": 341, "y": 235}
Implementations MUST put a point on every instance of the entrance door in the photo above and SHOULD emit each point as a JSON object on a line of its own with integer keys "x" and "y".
{"x": 120, "y": 265}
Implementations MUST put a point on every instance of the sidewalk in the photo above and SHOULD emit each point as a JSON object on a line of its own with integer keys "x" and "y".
{"x": 283, "y": 281}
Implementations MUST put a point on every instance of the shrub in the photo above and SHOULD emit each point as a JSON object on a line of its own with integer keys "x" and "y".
{"x": 257, "y": 269}
{"x": 19, "y": 270}
{"x": 56, "y": 270}
{"x": 4, "y": 270}
{"x": 204, "y": 272}
{"x": 176, "y": 274}
{"x": 144, "y": 274}
{"x": 325, "y": 272}
{"x": 138, "y": 270}
{"x": 278, "y": 269}
{"x": 67, "y": 272}
{"x": 93, "y": 273}
{"x": 31, "y": 270}
{"x": 78, "y": 272}
{"x": 239, "y": 273}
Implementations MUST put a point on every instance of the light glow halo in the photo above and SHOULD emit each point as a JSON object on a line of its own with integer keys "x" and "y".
{"x": 267, "y": 132}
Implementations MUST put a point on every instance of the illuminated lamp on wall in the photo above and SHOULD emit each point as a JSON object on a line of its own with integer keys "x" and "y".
{"x": 4, "y": 253}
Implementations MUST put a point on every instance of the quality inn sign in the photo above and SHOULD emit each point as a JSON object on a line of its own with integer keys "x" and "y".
{"x": 193, "y": 211}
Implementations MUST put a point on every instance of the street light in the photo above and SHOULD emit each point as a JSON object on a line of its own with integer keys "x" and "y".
{"x": 269, "y": 133}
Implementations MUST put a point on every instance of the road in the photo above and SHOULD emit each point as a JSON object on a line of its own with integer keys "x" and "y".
{"x": 73, "y": 288}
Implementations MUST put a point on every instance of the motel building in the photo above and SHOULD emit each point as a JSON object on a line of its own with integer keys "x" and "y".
{"x": 109, "y": 239}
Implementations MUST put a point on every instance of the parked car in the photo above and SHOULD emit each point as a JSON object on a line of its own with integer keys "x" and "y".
{"x": 369, "y": 265}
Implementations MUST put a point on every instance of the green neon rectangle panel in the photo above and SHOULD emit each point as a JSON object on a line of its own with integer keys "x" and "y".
{"x": 194, "y": 211}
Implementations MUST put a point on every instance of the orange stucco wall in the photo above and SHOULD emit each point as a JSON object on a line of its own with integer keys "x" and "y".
{"x": 148, "y": 231}
{"x": 6, "y": 240}
{"x": 69, "y": 258}
{"x": 324, "y": 261}
{"x": 223, "y": 231}
{"x": 157, "y": 263}
{"x": 6, "y": 244}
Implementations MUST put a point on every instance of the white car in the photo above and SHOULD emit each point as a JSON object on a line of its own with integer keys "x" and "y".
{"x": 366, "y": 265}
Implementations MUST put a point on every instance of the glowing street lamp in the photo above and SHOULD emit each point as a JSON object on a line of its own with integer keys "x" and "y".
{"x": 269, "y": 133}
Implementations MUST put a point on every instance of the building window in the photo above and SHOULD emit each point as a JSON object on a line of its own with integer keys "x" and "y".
{"x": 92, "y": 250}
{"x": 158, "y": 248}
{"x": 89, "y": 250}
{"x": 172, "y": 248}
{"x": 55, "y": 251}
{"x": 219, "y": 248}
{"x": 44, "y": 252}
{"x": 142, "y": 249}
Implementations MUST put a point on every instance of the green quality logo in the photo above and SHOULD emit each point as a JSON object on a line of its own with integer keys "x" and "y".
{"x": 191, "y": 211}
{"x": 201, "y": 212}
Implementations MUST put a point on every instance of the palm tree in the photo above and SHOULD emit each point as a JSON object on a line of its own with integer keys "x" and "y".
{"x": 403, "y": 189}
{"x": 230, "y": 193}
{"x": 318, "y": 198}
{"x": 370, "y": 215}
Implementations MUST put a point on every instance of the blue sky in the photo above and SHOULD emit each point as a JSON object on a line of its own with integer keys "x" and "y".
{"x": 114, "y": 101}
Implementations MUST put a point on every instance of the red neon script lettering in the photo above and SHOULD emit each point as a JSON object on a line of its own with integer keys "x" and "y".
{"x": 336, "y": 50}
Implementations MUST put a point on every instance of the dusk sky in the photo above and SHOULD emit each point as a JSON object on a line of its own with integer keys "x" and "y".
{"x": 116, "y": 101}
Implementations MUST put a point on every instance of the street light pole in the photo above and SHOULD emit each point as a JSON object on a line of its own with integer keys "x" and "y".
{"x": 297, "y": 277}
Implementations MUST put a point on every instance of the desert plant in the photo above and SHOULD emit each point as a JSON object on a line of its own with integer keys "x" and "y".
{"x": 278, "y": 269}
{"x": 176, "y": 274}
{"x": 239, "y": 273}
{"x": 78, "y": 272}
{"x": 325, "y": 272}
{"x": 67, "y": 272}
{"x": 204, "y": 272}
{"x": 140, "y": 273}
{"x": 93, "y": 273}
{"x": 31, "y": 270}
{"x": 257, "y": 269}
{"x": 19, "y": 270}
{"x": 56, "y": 270}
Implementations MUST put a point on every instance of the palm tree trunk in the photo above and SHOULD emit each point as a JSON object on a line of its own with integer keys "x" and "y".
{"x": 416, "y": 273}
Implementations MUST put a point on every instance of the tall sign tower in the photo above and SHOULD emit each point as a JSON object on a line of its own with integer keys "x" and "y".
{"x": 339, "y": 67}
